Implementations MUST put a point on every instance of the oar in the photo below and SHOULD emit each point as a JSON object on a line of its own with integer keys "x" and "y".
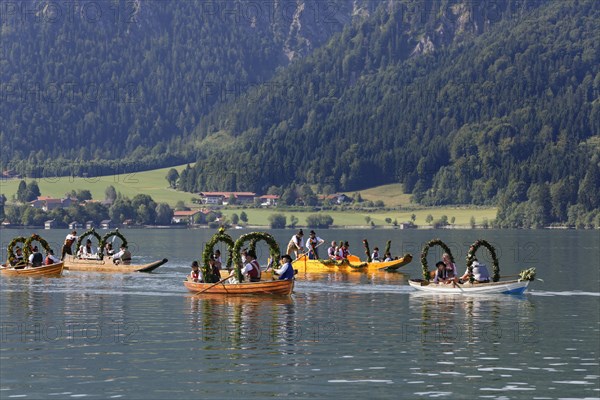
{"x": 459, "y": 286}
{"x": 211, "y": 286}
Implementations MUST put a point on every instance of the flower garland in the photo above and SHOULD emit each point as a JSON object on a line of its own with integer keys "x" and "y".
{"x": 11, "y": 246}
{"x": 471, "y": 256}
{"x": 220, "y": 236}
{"x": 237, "y": 257}
{"x": 527, "y": 274}
{"x": 105, "y": 240}
{"x": 34, "y": 238}
{"x": 425, "y": 251}
{"x": 87, "y": 233}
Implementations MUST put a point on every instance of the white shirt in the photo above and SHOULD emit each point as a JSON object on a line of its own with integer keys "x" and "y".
{"x": 283, "y": 269}
{"x": 317, "y": 239}
{"x": 53, "y": 258}
{"x": 249, "y": 267}
{"x": 299, "y": 242}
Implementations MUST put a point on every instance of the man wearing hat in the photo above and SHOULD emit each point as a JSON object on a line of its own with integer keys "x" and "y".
{"x": 36, "y": 259}
{"x": 286, "y": 272}
{"x": 123, "y": 256}
{"x": 252, "y": 268}
{"x": 51, "y": 258}
{"x": 312, "y": 243}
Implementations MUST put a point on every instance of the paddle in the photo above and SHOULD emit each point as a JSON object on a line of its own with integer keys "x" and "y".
{"x": 213, "y": 285}
{"x": 455, "y": 284}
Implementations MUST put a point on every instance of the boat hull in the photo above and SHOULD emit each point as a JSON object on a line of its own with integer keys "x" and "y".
{"x": 279, "y": 287}
{"x": 45, "y": 270}
{"x": 502, "y": 287}
{"x": 309, "y": 266}
{"x": 74, "y": 264}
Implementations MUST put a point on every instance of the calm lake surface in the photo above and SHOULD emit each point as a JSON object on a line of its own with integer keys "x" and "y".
{"x": 142, "y": 336}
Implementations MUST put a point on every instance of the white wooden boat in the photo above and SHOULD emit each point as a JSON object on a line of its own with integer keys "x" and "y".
{"x": 501, "y": 287}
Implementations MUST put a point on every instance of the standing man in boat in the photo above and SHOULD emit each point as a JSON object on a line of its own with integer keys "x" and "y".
{"x": 312, "y": 243}
{"x": 69, "y": 240}
{"x": 296, "y": 244}
{"x": 286, "y": 272}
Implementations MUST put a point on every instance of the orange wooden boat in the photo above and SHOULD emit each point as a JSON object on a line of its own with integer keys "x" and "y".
{"x": 44, "y": 270}
{"x": 279, "y": 287}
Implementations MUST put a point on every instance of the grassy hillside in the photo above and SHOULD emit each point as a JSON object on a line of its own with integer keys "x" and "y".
{"x": 152, "y": 183}
{"x": 354, "y": 218}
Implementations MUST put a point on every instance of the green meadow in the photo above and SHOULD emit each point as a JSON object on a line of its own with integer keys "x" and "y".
{"x": 153, "y": 183}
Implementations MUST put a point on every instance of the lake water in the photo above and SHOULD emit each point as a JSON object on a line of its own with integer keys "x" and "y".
{"x": 142, "y": 336}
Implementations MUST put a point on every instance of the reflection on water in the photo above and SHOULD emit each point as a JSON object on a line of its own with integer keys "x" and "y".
{"x": 339, "y": 335}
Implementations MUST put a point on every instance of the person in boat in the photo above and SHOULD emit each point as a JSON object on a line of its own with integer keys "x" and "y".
{"x": 312, "y": 243}
{"x": 87, "y": 252}
{"x": 18, "y": 259}
{"x": 123, "y": 256}
{"x": 375, "y": 255}
{"x": 286, "y": 272}
{"x": 388, "y": 257}
{"x": 480, "y": 273}
{"x": 51, "y": 258}
{"x": 36, "y": 259}
{"x": 195, "y": 274}
{"x": 441, "y": 274}
{"x": 296, "y": 244}
{"x": 217, "y": 258}
{"x": 332, "y": 250}
{"x": 251, "y": 270}
{"x": 67, "y": 246}
{"x": 244, "y": 253}
{"x": 108, "y": 250}
{"x": 344, "y": 251}
{"x": 451, "y": 271}
{"x": 215, "y": 270}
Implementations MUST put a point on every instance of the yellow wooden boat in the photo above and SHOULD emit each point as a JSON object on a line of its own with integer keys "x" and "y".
{"x": 30, "y": 272}
{"x": 279, "y": 287}
{"x": 106, "y": 265}
{"x": 352, "y": 264}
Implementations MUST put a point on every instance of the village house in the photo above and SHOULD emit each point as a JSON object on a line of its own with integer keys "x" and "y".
{"x": 50, "y": 224}
{"x": 48, "y": 203}
{"x": 184, "y": 217}
{"x": 269, "y": 200}
{"x": 219, "y": 198}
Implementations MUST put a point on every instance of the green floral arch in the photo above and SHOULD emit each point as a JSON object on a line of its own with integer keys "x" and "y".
{"x": 90, "y": 232}
{"x": 220, "y": 236}
{"x": 471, "y": 258}
{"x": 11, "y": 247}
{"x": 108, "y": 236}
{"x": 367, "y": 250}
{"x": 274, "y": 250}
{"x": 425, "y": 251}
{"x": 34, "y": 238}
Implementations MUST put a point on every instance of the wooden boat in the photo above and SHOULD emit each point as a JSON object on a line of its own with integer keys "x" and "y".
{"x": 106, "y": 265}
{"x": 304, "y": 265}
{"x": 44, "y": 270}
{"x": 503, "y": 287}
{"x": 279, "y": 287}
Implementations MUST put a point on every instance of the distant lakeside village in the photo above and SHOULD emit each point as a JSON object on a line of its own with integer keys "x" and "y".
{"x": 78, "y": 210}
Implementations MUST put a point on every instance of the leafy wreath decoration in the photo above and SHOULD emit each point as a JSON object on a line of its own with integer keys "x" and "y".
{"x": 87, "y": 233}
{"x": 367, "y": 250}
{"x": 34, "y": 238}
{"x": 11, "y": 246}
{"x": 105, "y": 240}
{"x": 220, "y": 236}
{"x": 471, "y": 258}
{"x": 342, "y": 263}
{"x": 387, "y": 247}
{"x": 425, "y": 251}
{"x": 256, "y": 236}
